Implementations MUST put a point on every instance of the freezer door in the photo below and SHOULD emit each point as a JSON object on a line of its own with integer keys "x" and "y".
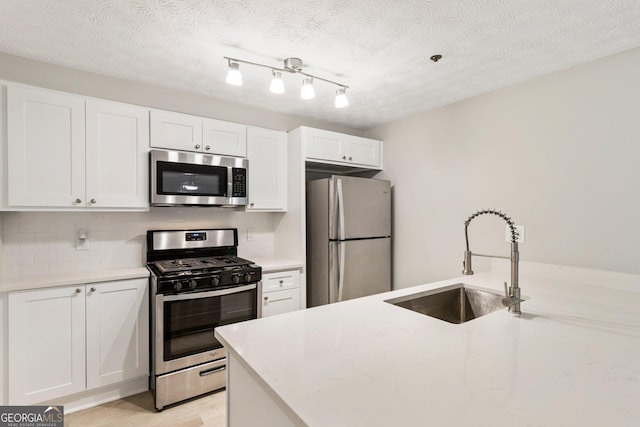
{"x": 359, "y": 268}
{"x": 359, "y": 208}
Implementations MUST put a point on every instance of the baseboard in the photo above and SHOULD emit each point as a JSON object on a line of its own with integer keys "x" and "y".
{"x": 89, "y": 399}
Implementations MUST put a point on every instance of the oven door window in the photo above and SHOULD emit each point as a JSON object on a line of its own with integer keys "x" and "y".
{"x": 191, "y": 180}
{"x": 189, "y": 324}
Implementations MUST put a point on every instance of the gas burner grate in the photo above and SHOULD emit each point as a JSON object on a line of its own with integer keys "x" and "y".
{"x": 199, "y": 264}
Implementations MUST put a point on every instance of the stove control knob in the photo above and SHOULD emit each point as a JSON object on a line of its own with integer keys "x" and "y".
{"x": 235, "y": 278}
{"x": 215, "y": 280}
{"x": 192, "y": 284}
{"x": 247, "y": 277}
{"x": 177, "y": 286}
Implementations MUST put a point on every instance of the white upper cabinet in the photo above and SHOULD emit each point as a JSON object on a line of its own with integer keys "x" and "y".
{"x": 323, "y": 146}
{"x": 68, "y": 152}
{"x": 267, "y": 182}
{"x": 46, "y": 148}
{"x": 184, "y": 132}
{"x": 225, "y": 138}
{"x": 117, "y": 155}
{"x": 176, "y": 131}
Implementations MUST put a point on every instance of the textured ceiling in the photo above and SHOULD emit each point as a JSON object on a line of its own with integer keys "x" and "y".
{"x": 380, "y": 48}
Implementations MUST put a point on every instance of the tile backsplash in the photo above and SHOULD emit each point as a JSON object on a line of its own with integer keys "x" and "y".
{"x": 40, "y": 243}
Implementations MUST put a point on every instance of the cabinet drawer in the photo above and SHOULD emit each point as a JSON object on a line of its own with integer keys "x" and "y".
{"x": 280, "y": 280}
{"x": 279, "y": 302}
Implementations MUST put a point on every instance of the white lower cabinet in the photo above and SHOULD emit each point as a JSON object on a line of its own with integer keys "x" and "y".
{"x": 69, "y": 339}
{"x": 280, "y": 292}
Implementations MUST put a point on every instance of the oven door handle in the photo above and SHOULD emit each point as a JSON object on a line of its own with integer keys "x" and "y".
{"x": 197, "y": 295}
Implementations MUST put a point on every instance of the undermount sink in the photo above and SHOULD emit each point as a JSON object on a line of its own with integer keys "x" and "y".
{"x": 454, "y": 304}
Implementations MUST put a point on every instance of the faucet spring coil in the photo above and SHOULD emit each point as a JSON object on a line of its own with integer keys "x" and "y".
{"x": 512, "y": 228}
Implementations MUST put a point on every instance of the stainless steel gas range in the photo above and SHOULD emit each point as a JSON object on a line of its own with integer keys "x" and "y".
{"x": 197, "y": 283}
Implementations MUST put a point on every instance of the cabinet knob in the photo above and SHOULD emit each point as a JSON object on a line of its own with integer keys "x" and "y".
{"x": 197, "y": 146}
{"x": 208, "y": 147}
{"x": 251, "y": 204}
{"x": 344, "y": 157}
{"x": 92, "y": 201}
{"x": 92, "y": 289}
{"x": 78, "y": 201}
{"x": 78, "y": 290}
{"x": 266, "y": 298}
{"x": 281, "y": 282}
{"x": 350, "y": 158}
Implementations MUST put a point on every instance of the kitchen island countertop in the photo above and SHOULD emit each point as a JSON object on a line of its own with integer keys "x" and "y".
{"x": 571, "y": 359}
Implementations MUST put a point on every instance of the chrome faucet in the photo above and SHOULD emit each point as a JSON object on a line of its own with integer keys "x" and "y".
{"x": 512, "y": 295}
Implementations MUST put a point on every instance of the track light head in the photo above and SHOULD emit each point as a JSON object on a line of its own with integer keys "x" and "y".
{"x": 307, "y": 91}
{"x": 341, "y": 98}
{"x": 277, "y": 84}
{"x": 233, "y": 75}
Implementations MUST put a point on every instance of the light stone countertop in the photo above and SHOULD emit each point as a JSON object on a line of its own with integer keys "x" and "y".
{"x": 63, "y": 279}
{"x": 570, "y": 360}
{"x": 270, "y": 264}
{"x": 8, "y": 284}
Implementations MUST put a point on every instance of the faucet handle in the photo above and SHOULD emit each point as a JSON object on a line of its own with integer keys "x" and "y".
{"x": 506, "y": 290}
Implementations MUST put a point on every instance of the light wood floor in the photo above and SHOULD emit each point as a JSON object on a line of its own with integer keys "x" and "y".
{"x": 138, "y": 410}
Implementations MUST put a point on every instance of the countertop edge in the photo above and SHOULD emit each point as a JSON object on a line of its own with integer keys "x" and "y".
{"x": 9, "y": 284}
{"x": 271, "y": 264}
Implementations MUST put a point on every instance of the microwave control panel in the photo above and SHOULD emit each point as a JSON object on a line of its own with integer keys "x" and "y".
{"x": 239, "y": 182}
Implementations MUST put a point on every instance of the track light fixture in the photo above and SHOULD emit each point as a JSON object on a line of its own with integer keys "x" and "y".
{"x": 290, "y": 65}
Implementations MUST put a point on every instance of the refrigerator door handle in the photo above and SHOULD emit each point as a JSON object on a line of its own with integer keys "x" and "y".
{"x": 341, "y": 246}
{"x": 340, "y": 210}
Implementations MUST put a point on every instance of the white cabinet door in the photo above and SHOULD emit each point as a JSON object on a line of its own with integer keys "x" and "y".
{"x": 267, "y": 182}
{"x": 176, "y": 131}
{"x": 117, "y": 155}
{"x": 364, "y": 151}
{"x": 117, "y": 331}
{"x": 46, "y": 344}
{"x": 278, "y": 302}
{"x": 324, "y": 145}
{"x": 224, "y": 138}
{"x": 46, "y": 148}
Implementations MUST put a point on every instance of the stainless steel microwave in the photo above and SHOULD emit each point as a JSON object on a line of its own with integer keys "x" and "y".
{"x": 181, "y": 178}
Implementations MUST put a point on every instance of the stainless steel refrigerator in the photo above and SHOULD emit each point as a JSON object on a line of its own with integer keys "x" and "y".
{"x": 348, "y": 238}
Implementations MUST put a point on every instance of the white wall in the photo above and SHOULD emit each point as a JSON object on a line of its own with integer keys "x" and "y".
{"x": 40, "y": 243}
{"x": 560, "y": 154}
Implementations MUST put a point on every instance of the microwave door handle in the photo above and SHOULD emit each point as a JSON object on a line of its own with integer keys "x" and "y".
{"x": 229, "y": 182}
{"x": 340, "y": 209}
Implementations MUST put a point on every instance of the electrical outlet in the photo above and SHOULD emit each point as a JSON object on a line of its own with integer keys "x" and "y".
{"x": 82, "y": 241}
{"x": 250, "y": 236}
{"x": 519, "y": 233}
